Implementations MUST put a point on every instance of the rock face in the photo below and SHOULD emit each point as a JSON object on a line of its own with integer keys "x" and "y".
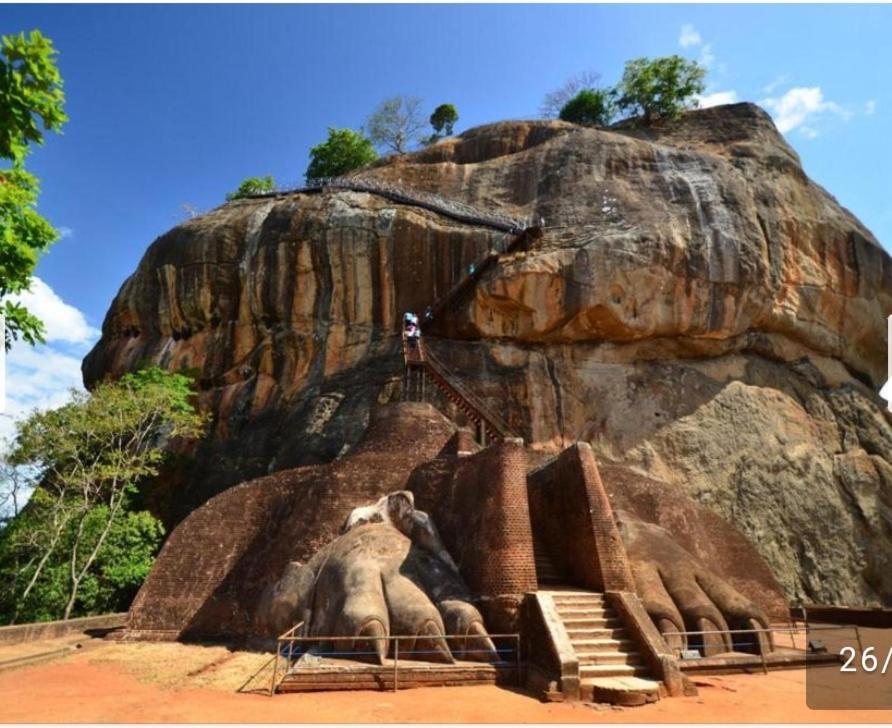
{"x": 697, "y": 310}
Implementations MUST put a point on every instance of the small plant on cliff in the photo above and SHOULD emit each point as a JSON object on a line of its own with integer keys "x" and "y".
{"x": 252, "y": 186}
{"x": 396, "y": 124}
{"x": 661, "y": 88}
{"x": 443, "y": 122}
{"x": 590, "y": 107}
{"x": 78, "y": 543}
{"x": 31, "y": 103}
{"x": 344, "y": 151}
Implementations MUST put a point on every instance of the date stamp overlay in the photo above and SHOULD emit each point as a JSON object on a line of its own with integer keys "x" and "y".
{"x": 861, "y": 677}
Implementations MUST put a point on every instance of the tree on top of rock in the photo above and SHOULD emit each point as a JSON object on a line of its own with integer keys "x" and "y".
{"x": 344, "y": 151}
{"x": 252, "y": 186}
{"x": 396, "y": 124}
{"x": 590, "y": 107}
{"x": 661, "y": 88}
{"x": 443, "y": 120}
{"x": 555, "y": 101}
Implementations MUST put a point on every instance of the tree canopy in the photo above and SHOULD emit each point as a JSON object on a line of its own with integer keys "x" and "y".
{"x": 591, "y": 107}
{"x": 443, "y": 120}
{"x": 344, "y": 151}
{"x": 396, "y": 124}
{"x": 661, "y": 88}
{"x": 252, "y": 186}
{"x": 31, "y": 103}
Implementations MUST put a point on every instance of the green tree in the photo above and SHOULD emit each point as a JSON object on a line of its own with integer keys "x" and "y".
{"x": 443, "y": 121}
{"x": 31, "y": 103}
{"x": 661, "y": 88}
{"x": 396, "y": 124}
{"x": 85, "y": 461}
{"x": 590, "y": 107}
{"x": 555, "y": 100}
{"x": 252, "y": 186}
{"x": 345, "y": 150}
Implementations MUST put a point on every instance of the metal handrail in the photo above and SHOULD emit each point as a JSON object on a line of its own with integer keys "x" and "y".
{"x": 400, "y": 193}
{"x": 290, "y": 638}
{"x": 791, "y": 630}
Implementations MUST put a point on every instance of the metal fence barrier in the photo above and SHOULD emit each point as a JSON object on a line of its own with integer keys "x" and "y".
{"x": 791, "y": 630}
{"x": 285, "y": 648}
{"x": 408, "y": 195}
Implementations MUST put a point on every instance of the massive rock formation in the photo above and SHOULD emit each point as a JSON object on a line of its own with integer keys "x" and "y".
{"x": 697, "y": 309}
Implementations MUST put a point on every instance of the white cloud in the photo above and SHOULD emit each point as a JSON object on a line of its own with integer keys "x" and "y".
{"x": 63, "y": 321}
{"x": 782, "y": 80}
{"x": 65, "y": 232}
{"x": 689, "y": 36}
{"x": 870, "y": 107}
{"x": 809, "y": 132}
{"x": 707, "y": 57}
{"x": 799, "y": 104}
{"x": 41, "y": 377}
{"x": 717, "y": 99}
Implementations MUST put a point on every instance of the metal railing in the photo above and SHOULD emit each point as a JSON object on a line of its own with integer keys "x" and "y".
{"x": 285, "y": 648}
{"x": 790, "y": 629}
{"x": 400, "y": 193}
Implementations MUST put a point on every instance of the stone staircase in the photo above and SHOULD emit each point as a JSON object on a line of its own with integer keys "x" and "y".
{"x": 610, "y": 666}
{"x": 547, "y": 574}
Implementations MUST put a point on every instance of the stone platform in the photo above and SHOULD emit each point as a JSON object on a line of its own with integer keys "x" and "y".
{"x": 344, "y": 674}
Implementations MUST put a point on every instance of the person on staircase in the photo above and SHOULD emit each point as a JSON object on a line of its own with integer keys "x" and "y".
{"x": 411, "y": 330}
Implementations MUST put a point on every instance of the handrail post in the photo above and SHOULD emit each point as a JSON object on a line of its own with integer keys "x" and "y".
{"x": 858, "y": 637}
{"x": 517, "y": 659}
{"x": 396, "y": 661}
{"x": 272, "y": 685}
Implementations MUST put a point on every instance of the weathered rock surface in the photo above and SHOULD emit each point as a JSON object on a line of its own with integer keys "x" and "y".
{"x": 697, "y": 309}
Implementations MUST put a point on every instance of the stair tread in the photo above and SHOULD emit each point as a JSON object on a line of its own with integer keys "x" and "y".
{"x": 623, "y": 683}
{"x": 610, "y": 670}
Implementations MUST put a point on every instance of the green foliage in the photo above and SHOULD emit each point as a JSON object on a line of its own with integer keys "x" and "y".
{"x": 121, "y": 564}
{"x": 591, "y": 107}
{"x": 396, "y": 124}
{"x": 30, "y": 93}
{"x": 345, "y": 150}
{"x": 252, "y": 186}
{"x": 443, "y": 120}
{"x": 31, "y": 103}
{"x": 661, "y": 88}
{"x": 77, "y": 545}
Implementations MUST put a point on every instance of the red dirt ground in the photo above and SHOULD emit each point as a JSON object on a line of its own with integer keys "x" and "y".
{"x": 109, "y": 683}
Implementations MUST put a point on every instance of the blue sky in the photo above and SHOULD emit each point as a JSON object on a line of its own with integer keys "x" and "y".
{"x": 174, "y": 105}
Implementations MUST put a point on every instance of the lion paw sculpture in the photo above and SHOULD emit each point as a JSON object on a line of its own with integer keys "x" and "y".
{"x": 680, "y": 593}
{"x": 387, "y": 573}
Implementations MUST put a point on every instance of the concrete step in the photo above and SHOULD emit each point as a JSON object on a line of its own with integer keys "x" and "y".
{"x": 591, "y": 621}
{"x": 595, "y": 633}
{"x": 593, "y": 671}
{"x": 608, "y": 658}
{"x": 602, "y": 645}
{"x": 581, "y": 599}
{"x": 626, "y": 691}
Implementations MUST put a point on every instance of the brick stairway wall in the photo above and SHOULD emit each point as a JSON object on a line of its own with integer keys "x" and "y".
{"x": 571, "y": 513}
{"x": 479, "y": 503}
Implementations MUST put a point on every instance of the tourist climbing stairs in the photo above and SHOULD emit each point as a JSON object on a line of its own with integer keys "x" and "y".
{"x": 610, "y": 666}
{"x": 422, "y": 364}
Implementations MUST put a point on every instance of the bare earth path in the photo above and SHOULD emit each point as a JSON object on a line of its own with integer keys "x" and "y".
{"x": 172, "y": 683}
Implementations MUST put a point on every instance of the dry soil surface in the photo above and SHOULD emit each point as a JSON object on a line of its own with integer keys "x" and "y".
{"x": 173, "y": 683}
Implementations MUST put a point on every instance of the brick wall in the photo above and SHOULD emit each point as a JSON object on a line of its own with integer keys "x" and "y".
{"x": 571, "y": 514}
{"x": 479, "y": 503}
